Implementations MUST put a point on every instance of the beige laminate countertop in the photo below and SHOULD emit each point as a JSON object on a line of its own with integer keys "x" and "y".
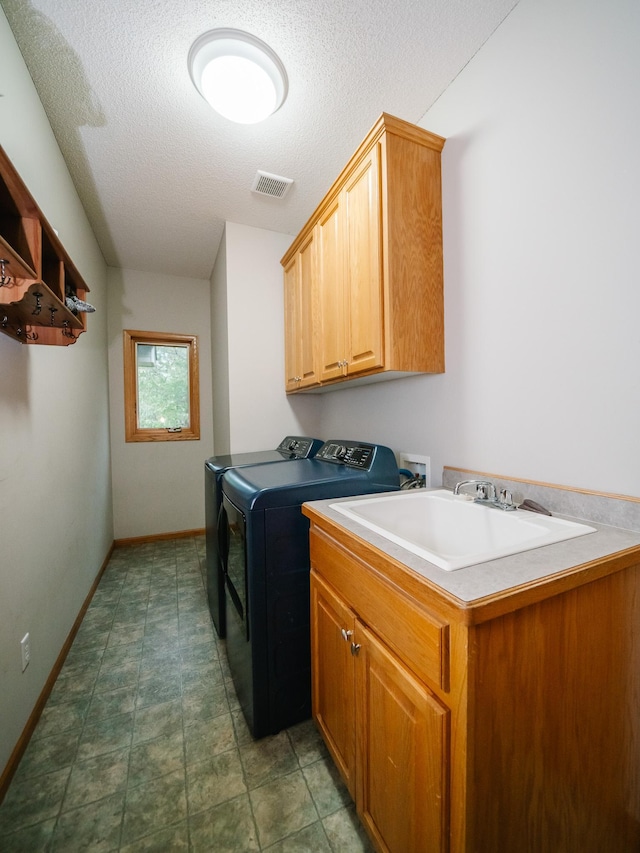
{"x": 484, "y": 580}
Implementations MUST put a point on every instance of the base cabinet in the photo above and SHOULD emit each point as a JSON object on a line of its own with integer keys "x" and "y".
{"x": 386, "y": 732}
{"x": 508, "y": 724}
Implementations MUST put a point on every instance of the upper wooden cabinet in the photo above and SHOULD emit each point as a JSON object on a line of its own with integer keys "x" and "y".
{"x": 36, "y": 274}
{"x": 376, "y": 278}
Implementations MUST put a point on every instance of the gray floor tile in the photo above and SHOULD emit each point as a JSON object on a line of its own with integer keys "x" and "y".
{"x": 172, "y": 840}
{"x": 157, "y": 720}
{"x": 32, "y": 801}
{"x": 142, "y": 746}
{"x": 154, "y": 805}
{"x": 46, "y": 755}
{"x": 327, "y": 788}
{"x": 160, "y": 666}
{"x": 307, "y": 742}
{"x": 154, "y": 758}
{"x": 113, "y": 677}
{"x": 120, "y": 701}
{"x": 209, "y": 737}
{"x": 129, "y": 633}
{"x": 67, "y": 716}
{"x": 96, "y": 778}
{"x": 214, "y": 780}
{"x": 106, "y": 735}
{"x": 73, "y": 686}
{"x": 227, "y": 828}
{"x": 200, "y": 673}
{"x": 158, "y": 688}
{"x": 282, "y": 807}
{"x": 267, "y": 759}
{"x": 121, "y": 654}
{"x": 203, "y": 701}
{"x": 311, "y": 839}
{"x": 95, "y": 827}
{"x": 33, "y": 839}
{"x": 345, "y": 832}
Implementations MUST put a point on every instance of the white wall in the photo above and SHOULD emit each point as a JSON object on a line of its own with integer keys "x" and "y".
{"x": 55, "y": 489}
{"x": 158, "y": 486}
{"x": 541, "y": 184}
{"x": 220, "y": 352}
{"x": 247, "y": 284}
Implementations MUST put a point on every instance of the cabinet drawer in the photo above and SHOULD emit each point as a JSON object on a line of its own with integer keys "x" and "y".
{"x": 419, "y": 637}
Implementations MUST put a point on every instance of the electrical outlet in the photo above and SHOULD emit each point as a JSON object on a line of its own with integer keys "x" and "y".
{"x": 25, "y": 649}
{"x": 417, "y": 464}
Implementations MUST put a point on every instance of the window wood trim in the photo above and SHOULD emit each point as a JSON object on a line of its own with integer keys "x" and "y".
{"x": 132, "y": 431}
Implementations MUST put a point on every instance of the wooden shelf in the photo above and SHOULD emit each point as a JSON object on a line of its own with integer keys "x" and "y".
{"x": 35, "y": 270}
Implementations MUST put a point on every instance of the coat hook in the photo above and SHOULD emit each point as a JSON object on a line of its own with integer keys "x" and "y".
{"x": 5, "y": 279}
{"x": 52, "y": 311}
{"x": 66, "y": 331}
{"x": 38, "y": 307}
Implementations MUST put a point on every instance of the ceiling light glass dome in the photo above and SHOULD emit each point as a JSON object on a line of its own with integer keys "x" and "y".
{"x": 238, "y": 74}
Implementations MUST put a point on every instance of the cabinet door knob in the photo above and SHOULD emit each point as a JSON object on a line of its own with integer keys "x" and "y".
{"x": 346, "y": 634}
{"x": 355, "y": 648}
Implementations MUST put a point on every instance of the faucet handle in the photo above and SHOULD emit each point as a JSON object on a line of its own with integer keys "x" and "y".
{"x": 506, "y": 498}
{"x": 486, "y": 491}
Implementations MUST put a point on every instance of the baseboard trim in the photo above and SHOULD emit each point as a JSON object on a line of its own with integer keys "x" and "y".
{"x": 27, "y": 732}
{"x": 157, "y": 537}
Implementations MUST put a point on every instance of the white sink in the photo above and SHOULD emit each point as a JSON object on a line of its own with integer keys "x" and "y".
{"x": 452, "y": 532}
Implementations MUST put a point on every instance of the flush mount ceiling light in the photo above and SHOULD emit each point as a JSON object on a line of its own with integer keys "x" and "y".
{"x": 238, "y": 74}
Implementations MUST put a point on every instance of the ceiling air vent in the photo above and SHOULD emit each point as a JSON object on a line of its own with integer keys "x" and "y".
{"x": 273, "y": 185}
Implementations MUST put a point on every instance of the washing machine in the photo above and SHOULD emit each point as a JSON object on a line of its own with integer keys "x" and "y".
{"x": 264, "y": 551}
{"x": 291, "y": 448}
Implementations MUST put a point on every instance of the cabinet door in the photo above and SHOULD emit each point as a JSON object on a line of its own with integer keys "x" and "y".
{"x": 401, "y": 742}
{"x": 291, "y": 321}
{"x": 363, "y": 224}
{"x": 301, "y": 318}
{"x": 331, "y": 275}
{"x": 333, "y": 676}
{"x": 308, "y": 314}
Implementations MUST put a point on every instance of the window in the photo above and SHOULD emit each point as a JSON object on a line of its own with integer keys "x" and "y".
{"x": 161, "y": 401}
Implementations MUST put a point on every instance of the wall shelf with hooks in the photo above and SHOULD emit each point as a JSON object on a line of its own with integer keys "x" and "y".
{"x": 36, "y": 273}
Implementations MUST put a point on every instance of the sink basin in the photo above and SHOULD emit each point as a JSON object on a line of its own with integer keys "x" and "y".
{"x": 452, "y": 532}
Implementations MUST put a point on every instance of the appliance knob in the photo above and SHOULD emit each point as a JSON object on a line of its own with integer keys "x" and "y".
{"x": 341, "y": 451}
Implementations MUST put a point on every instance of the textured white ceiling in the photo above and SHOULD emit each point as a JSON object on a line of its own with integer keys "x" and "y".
{"x": 159, "y": 172}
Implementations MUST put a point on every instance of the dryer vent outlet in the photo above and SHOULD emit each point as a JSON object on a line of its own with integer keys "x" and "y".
{"x": 273, "y": 185}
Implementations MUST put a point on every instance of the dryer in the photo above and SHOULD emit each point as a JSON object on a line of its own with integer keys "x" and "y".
{"x": 291, "y": 448}
{"x": 264, "y": 550}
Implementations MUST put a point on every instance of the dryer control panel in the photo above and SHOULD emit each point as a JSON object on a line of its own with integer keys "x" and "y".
{"x": 351, "y": 453}
{"x": 299, "y": 446}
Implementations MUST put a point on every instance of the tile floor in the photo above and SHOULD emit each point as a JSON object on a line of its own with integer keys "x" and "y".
{"x": 142, "y": 745}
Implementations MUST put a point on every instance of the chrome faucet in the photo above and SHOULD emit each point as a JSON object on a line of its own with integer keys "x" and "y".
{"x": 487, "y": 495}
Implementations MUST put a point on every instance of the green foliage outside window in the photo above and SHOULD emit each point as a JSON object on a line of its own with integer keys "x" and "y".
{"x": 163, "y": 386}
